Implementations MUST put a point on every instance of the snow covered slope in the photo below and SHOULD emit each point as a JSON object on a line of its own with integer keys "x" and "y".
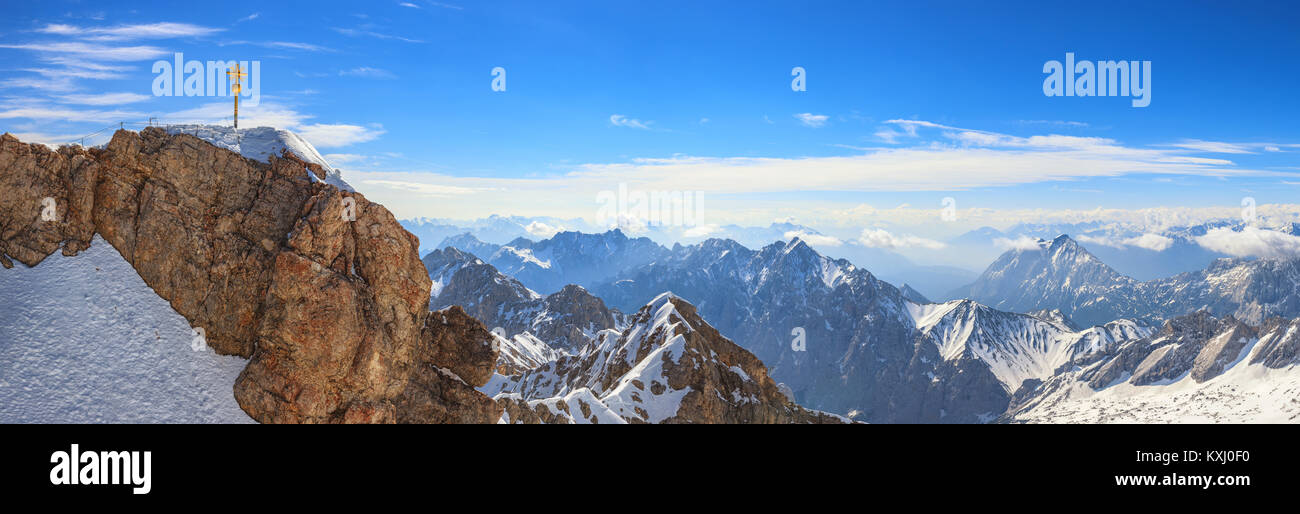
{"x": 1195, "y": 369}
{"x": 1016, "y": 347}
{"x": 260, "y": 143}
{"x": 83, "y": 339}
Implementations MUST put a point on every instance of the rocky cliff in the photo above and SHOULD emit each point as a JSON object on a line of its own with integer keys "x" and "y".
{"x": 321, "y": 289}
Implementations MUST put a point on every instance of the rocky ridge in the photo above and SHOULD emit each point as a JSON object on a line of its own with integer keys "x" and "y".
{"x": 321, "y": 289}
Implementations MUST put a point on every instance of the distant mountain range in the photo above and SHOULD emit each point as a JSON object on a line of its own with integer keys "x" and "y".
{"x": 864, "y": 348}
{"x": 1141, "y": 254}
{"x": 835, "y": 336}
{"x": 1061, "y": 274}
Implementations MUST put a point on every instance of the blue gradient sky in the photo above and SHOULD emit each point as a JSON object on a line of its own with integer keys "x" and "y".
{"x": 397, "y": 93}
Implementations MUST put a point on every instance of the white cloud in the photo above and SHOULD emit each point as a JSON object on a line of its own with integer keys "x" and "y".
{"x": 1213, "y": 146}
{"x": 163, "y": 30}
{"x": 979, "y": 159}
{"x": 69, "y": 115}
{"x": 295, "y": 46}
{"x": 811, "y": 120}
{"x": 94, "y": 51}
{"x": 1019, "y": 243}
{"x": 619, "y": 120}
{"x": 814, "y": 239}
{"x": 701, "y": 231}
{"x": 250, "y": 17}
{"x": 368, "y": 72}
{"x": 377, "y": 35}
{"x": 880, "y": 238}
{"x": 341, "y": 159}
{"x": 542, "y": 230}
{"x": 323, "y": 135}
{"x": 1251, "y": 242}
{"x": 1153, "y": 242}
{"x": 421, "y": 188}
{"x": 266, "y": 114}
{"x": 103, "y": 98}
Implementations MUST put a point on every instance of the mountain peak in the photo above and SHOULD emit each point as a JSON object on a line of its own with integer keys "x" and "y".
{"x": 263, "y": 143}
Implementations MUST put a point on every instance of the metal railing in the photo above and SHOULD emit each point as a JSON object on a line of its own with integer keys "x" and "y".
{"x": 151, "y": 122}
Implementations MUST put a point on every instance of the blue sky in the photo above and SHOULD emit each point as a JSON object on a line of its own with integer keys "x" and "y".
{"x": 906, "y": 102}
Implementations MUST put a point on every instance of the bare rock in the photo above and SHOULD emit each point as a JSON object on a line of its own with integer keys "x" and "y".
{"x": 323, "y": 290}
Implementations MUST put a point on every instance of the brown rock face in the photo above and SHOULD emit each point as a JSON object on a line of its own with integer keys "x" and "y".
{"x": 456, "y": 354}
{"x": 321, "y": 288}
{"x": 45, "y": 201}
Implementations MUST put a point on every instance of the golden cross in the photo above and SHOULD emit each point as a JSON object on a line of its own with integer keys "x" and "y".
{"x": 234, "y": 75}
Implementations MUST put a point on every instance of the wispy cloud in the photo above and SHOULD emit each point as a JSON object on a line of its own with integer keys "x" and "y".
{"x": 250, "y": 17}
{"x": 1153, "y": 242}
{"x": 162, "y": 30}
{"x": 446, "y": 6}
{"x": 335, "y": 135}
{"x": 1022, "y": 243}
{"x": 812, "y": 120}
{"x": 814, "y": 239}
{"x": 377, "y": 35}
{"x": 1251, "y": 242}
{"x": 287, "y": 45}
{"x": 102, "y": 98}
{"x": 881, "y": 238}
{"x": 422, "y": 188}
{"x": 1057, "y": 123}
{"x": 93, "y": 51}
{"x": 1230, "y": 148}
{"x": 69, "y": 115}
{"x": 619, "y": 120}
{"x": 368, "y": 72}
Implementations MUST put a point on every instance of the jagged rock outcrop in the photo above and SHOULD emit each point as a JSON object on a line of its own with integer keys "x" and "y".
{"x": 320, "y": 288}
{"x": 565, "y": 320}
{"x": 668, "y": 366}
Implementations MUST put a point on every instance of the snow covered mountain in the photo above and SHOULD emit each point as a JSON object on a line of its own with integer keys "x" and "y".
{"x": 564, "y": 320}
{"x": 1197, "y": 368}
{"x": 845, "y": 341}
{"x": 1060, "y": 274}
{"x": 262, "y": 143}
{"x": 1144, "y": 253}
{"x": 495, "y": 229}
{"x": 567, "y": 258}
{"x": 1055, "y": 274}
{"x": 842, "y": 339}
{"x": 1016, "y": 347}
{"x": 667, "y": 366}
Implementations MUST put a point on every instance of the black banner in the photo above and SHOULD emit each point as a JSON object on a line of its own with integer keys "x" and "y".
{"x": 930, "y": 463}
